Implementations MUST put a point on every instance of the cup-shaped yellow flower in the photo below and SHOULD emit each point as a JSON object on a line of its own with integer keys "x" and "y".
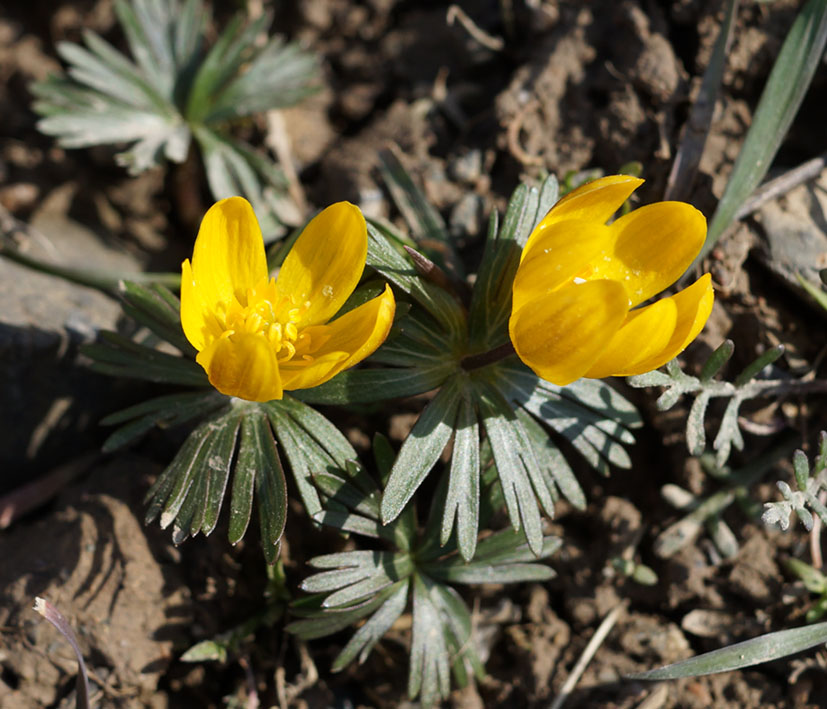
{"x": 580, "y": 279}
{"x": 259, "y": 336}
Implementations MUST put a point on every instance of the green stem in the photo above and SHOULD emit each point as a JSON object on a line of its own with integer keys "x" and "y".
{"x": 483, "y": 359}
{"x": 94, "y": 278}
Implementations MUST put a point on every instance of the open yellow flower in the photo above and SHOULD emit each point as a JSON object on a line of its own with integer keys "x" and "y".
{"x": 579, "y": 279}
{"x": 258, "y": 336}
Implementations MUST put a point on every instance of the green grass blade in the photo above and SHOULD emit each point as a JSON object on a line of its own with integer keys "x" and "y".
{"x": 696, "y": 131}
{"x": 785, "y": 89}
{"x": 764, "y": 648}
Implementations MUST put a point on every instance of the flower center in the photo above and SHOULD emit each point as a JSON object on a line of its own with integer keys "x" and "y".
{"x": 277, "y": 318}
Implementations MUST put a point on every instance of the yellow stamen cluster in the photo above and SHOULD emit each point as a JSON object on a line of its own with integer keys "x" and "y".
{"x": 279, "y": 323}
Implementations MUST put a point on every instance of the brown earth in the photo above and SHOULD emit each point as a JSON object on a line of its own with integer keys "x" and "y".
{"x": 575, "y": 86}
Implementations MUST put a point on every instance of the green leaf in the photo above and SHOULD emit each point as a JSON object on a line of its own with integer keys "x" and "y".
{"x": 552, "y": 461}
{"x": 244, "y": 474}
{"x": 204, "y": 498}
{"x": 109, "y": 72}
{"x": 345, "y": 521}
{"x": 754, "y": 368}
{"x": 422, "y": 219}
{"x": 764, "y": 648}
{"x": 815, "y": 292}
{"x": 121, "y": 357}
{"x": 596, "y": 436}
{"x": 271, "y": 488}
{"x": 356, "y": 575}
{"x": 105, "y": 122}
{"x": 304, "y": 456}
{"x": 205, "y": 650}
{"x": 155, "y": 307}
{"x": 311, "y": 443}
{"x": 786, "y": 86}
{"x": 323, "y": 622}
{"x": 695, "y": 431}
{"x": 223, "y": 61}
{"x": 507, "y": 444}
{"x": 364, "y": 640}
{"x": 462, "y": 502}
{"x": 217, "y": 474}
{"x": 814, "y": 580}
{"x": 429, "y": 673}
{"x": 369, "y": 385}
{"x": 339, "y": 491}
{"x": 147, "y": 26}
{"x": 279, "y": 75}
{"x": 717, "y": 360}
{"x": 162, "y": 411}
{"x": 235, "y": 169}
{"x": 422, "y": 448}
{"x": 388, "y": 261}
{"x": 491, "y": 297}
{"x": 801, "y": 467}
{"x": 505, "y": 558}
{"x": 170, "y": 489}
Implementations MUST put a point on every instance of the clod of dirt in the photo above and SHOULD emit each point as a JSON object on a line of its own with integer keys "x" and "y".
{"x": 795, "y": 234}
{"x": 726, "y": 627}
{"x": 542, "y": 108}
{"x": 347, "y": 169}
{"x": 93, "y": 561}
{"x": 548, "y": 637}
{"x": 645, "y": 637}
{"x": 755, "y": 575}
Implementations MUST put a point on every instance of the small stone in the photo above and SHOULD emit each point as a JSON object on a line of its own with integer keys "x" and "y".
{"x": 466, "y": 167}
{"x": 19, "y": 196}
{"x": 43, "y": 321}
{"x": 466, "y": 216}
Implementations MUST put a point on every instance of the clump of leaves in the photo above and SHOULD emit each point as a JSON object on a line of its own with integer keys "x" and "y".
{"x": 453, "y": 341}
{"x": 815, "y": 582}
{"x": 247, "y": 441}
{"x": 757, "y": 380}
{"x": 413, "y": 572}
{"x": 173, "y": 90}
{"x": 805, "y": 500}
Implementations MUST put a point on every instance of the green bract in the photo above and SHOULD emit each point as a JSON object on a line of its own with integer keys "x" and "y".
{"x": 415, "y": 575}
{"x": 247, "y": 439}
{"x": 442, "y": 343}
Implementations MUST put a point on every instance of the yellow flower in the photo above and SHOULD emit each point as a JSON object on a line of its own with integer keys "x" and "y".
{"x": 579, "y": 279}
{"x": 258, "y": 336}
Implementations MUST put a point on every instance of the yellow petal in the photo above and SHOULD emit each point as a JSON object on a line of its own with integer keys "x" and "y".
{"x": 693, "y": 306}
{"x": 228, "y": 257}
{"x": 348, "y": 340}
{"x": 326, "y": 262}
{"x": 560, "y": 252}
{"x": 653, "y": 246}
{"x": 594, "y": 202}
{"x": 306, "y": 374}
{"x": 198, "y": 321}
{"x": 645, "y": 334}
{"x": 242, "y": 365}
{"x": 562, "y": 334}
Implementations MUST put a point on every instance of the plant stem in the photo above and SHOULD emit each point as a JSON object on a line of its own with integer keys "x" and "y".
{"x": 483, "y": 359}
